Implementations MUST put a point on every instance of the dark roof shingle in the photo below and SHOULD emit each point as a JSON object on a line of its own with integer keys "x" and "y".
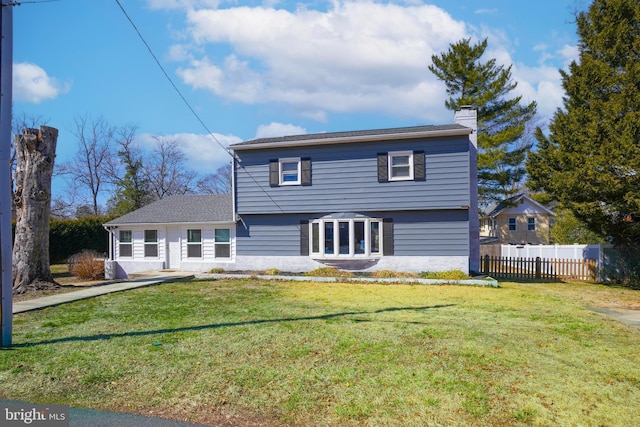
{"x": 181, "y": 209}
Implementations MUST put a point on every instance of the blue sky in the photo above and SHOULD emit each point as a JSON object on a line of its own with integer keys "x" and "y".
{"x": 253, "y": 69}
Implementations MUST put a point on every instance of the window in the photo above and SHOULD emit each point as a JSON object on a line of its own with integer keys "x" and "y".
{"x": 400, "y": 166}
{"x": 531, "y": 224}
{"x": 289, "y": 171}
{"x": 222, "y": 243}
{"x": 194, "y": 243}
{"x": 126, "y": 243}
{"x": 151, "y": 243}
{"x": 513, "y": 224}
{"x": 353, "y": 237}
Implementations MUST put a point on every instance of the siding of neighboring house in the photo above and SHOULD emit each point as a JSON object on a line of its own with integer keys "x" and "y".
{"x": 539, "y": 236}
{"x": 345, "y": 178}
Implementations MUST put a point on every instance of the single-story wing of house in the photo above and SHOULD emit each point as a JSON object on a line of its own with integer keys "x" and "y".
{"x": 180, "y": 232}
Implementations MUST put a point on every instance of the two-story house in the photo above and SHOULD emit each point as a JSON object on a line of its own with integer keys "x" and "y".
{"x": 400, "y": 199}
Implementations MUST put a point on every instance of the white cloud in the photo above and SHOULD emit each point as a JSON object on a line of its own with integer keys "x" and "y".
{"x": 356, "y": 56}
{"x": 274, "y": 129}
{"x": 204, "y": 153}
{"x": 32, "y": 84}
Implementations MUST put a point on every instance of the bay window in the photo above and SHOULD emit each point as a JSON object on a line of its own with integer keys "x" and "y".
{"x": 345, "y": 237}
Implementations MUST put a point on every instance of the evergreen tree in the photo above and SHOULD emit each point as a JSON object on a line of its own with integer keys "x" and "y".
{"x": 590, "y": 161}
{"x": 485, "y": 86}
{"x": 132, "y": 190}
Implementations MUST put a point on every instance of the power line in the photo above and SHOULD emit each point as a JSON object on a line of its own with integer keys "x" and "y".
{"x": 170, "y": 79}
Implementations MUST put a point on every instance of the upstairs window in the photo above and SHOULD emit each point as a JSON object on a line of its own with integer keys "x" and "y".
{"x": 401, "y": 166}
{"x": 194, "y": 243}
{"x": 126, "y": 243}
{"x": 290, "y": 171}
{"x": 151, "y": 243}
{"x": 531, "y": 224}
{"x": 513, "y": 225}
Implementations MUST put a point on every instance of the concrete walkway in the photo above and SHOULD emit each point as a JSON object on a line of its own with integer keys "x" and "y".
{"x": 630, "y": 317}
{"x": 153, "y": 278}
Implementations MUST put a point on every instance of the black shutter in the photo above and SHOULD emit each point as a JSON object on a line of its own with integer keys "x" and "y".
{"x": 387, "y": 236}
{"x": 304, "y": 237}
{"x": 418, "y": 166}
{"x": 383, "y": 167}
{"x": 274, "y": 173}
{"x": 305, "y": 171}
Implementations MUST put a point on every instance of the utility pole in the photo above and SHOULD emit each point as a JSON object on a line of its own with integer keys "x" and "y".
{"x": 6, "y": 79}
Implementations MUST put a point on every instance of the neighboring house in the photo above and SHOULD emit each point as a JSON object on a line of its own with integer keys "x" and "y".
{"x": 517, "y": 220}
{"x": 400, "y": 199}
{"x": 190, "y": 232}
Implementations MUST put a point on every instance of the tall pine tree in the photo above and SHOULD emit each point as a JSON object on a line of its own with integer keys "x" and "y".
{"x": 590, "y": 161}
{"x": 485, "y": 86}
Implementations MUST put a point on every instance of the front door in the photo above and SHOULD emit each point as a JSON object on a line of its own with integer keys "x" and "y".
{"x": 174, "y": 253}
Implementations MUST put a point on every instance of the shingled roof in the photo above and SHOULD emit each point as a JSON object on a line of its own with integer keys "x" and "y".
{"x": 361, "y": 135}
{"x": 181, "y": 209}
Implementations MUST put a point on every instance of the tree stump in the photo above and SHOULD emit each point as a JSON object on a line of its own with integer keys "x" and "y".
{"x": 35, "y": 154}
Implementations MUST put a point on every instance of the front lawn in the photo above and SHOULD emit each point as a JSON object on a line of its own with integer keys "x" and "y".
{"x": 245, "y": 352}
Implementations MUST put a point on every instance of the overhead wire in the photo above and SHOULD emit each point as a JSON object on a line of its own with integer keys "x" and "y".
{"x": 175, "y": 87}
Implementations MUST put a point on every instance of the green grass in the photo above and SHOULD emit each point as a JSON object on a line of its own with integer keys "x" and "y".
{"x": 334, "y": 354}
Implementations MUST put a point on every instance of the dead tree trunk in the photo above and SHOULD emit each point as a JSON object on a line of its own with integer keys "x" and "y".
{"x": 35, "y": 153}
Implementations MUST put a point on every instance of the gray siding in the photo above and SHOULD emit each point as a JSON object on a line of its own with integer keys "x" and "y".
{"x": 344, "y": 178}
{"x": 421, "y": 233}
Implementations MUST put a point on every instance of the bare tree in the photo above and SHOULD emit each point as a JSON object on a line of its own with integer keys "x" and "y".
{"x": 35, "y": 155}
{"x": 92, "y": 166}
{"x": 166, "y": 171}
{"x": 216, "y": 183}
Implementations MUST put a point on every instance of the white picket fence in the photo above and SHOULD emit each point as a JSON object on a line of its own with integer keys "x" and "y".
{"x": 578, "y": 252}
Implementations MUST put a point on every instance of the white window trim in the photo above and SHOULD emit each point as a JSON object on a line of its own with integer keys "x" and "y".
{"x": 393, "y": 154}
{"x": 535, "y": 223}
{"x": 200, "y": 243}
{"x": 121, "y": 243}
{"x": 336, "y": 239}
{"x": 229, "y": 243}
{"x": 297, "y": 160}
{"x": 155, "y": 242}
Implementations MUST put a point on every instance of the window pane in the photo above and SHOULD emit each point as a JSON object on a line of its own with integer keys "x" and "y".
{"x": 223, "y": 235}
{"x": 151, "y": 250}
{"x": 223, "y": 250}
{"x": 512, "y": 224}
{"x": 150, "y": 235}
{"x": 344, "y": 237}
{"x": 194, "y": 251}
{"x": 289, "y": 171}
{"x": 315, "y": 238}
{"x": 401, "y": 171}
{"x": 194, "y": 236}
{"x": 531, "y": 224}
{"x": 328, "y": 238}
{"x": 358, "y": 234}
{"x": 400, "y": 160}
{"x": 125, "y": 236}
{"x": 126, "y": 250}
{"x": 375, "y": 237}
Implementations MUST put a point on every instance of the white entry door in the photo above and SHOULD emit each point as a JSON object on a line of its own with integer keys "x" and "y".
{"x": 174, "y": 253}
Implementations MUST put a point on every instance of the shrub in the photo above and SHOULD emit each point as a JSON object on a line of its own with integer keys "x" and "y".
{"x": 216, "y": 270}
{"x": 328, "y": 272}
{"x": 71, "y": 236}
{"x": 445, "y": 275}
{"x": 88, "y": 265}
{"x": 272, "y": 272}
